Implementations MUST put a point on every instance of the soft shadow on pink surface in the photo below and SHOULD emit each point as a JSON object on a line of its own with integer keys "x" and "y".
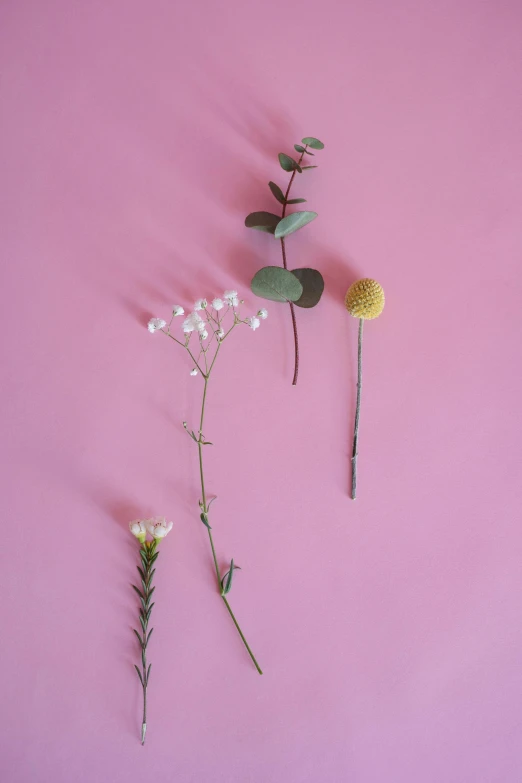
{"x": 135, "y": 140}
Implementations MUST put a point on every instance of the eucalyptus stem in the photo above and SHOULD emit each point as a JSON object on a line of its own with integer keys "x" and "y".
{"x": 357, "y": 410}
{"x": 205, "y": 511}
{"x": 148, "y": 555}
{"x": 283, "y": 250}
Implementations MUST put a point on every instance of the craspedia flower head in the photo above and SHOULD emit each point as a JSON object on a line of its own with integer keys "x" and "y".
{"x": 365, "y": 299}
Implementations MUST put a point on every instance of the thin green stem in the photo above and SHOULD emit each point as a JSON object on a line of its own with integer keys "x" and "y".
{"x": 357, "y": 410}
{"x": 205, "y": 511}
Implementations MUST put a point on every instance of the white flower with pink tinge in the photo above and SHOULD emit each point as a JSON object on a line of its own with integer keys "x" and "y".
{"x": 138, "y": 529}
{"x": 158, "y": 527}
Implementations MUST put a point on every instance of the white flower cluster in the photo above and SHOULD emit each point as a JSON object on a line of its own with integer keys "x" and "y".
{"x": 210, "y": 323}
{"x": 158, "y": 527}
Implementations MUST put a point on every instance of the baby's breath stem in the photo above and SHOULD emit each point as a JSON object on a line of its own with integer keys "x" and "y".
{"x": 206, "y": 379}
{"x": 357, "y": 410}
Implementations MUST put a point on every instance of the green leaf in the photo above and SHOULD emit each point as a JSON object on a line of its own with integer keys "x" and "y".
{"x": 309, "y": 167}
{"x": 149, "y": 634}
{"x": 262, "y": 221}
{"x": 204, "y": 519}
{"x": 296, "y": 201}
{"x": 292, "y": 223}
{"x": 277, "y": 192}
{"x": 148, "y": 673}
{"x": 313, "y": 286}
{"x": 150, "y": 594}
{"x": 277, "y": 284}
{"x": 287, "y": 163}
{"x": 143, "y": 625}
{"x": 302, "y": 149}
{"x": 138, "y": 591}
{"x": 142, "y": 573}
{"x": 315, "y": 144}
{"x": 149, "y": 610}
{"x": 144, "y": 662}
{"x": 139, "y": 673}
{"x": 226, "y": 582}
{"x": 139, "y": 637}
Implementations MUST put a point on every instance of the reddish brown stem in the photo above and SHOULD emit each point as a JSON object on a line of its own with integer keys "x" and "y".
{"x": 292, "y": 308}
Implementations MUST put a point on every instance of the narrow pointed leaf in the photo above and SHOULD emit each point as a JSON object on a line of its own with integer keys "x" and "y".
{"x": 277, "y": 284}
{"x": 149, "y": 611}
{"x": 309, "y": 167}
{"x": 138, "y": 591}
{"x": 139, "y": 637}
{"x": 296, "y": 201}
{"x": 292, "y": 223}
{"x": 149, "y": 634}
{"x": 262, "y": 221}
{"x": 139, "y": 673}
{"x": 148, "y": 672}
{"x": 315, "y": 144}
{"x": 313, "y": 286}
{"x": 143, "y": 657}
{"x": 277, "y": 192}
{"x": 204, "y": 519}
{"x": 226, "y": 582}
{"x": 142, "y": 572}
{"x": 143, "y": 625}
{"x": 287, "y": 163}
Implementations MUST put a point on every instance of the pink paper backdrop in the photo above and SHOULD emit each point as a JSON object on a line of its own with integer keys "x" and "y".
{"x": 135, "y": 137}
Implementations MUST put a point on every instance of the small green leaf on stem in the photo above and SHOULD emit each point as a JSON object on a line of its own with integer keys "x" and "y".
{"x": 309, "y": 167}
{"x": 262, "y": 221}
{"x": 296, "y": 201}
{"x": 149, "y": 635}
{"x": 139, "y": 637}
{"x": 204, "y": 519}
{"x": 287, "y": 163}
{"x": 226, "y": 582}
{"x": 301, "y": 149}
{"x": 277, "y": 192}
{"x": 276, "y": 284}
{"x": 138, "y": 591}
{"x": 315, "y": 144}
{"x": 148, "y": 673}
{"x": 293, "y": 222}
{"x": 139, "y": 674}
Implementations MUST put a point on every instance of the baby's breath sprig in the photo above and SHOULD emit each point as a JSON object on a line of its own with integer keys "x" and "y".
{"x": 158, "y": 529}
{"x": 301, "y": 287}
{"x": 206, "y": 329}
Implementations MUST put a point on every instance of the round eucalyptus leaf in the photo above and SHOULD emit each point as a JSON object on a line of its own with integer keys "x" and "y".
{"x": 313, "y": 286}
{"x": 262, "y": 221}
{"x": 315, "y": 144}
{"x": 287, "y": 163}
{"x": 293, "y": 222}
{"x": 277, "y": 284}
{"x": 301, "y": 149}
{"x": 277, "y": 192}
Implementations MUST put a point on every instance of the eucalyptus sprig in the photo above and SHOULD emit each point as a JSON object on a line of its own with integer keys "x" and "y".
{"x": 302, "y": 287}
{"x": 158, "y": 529}
{"x": 205, "y": 330}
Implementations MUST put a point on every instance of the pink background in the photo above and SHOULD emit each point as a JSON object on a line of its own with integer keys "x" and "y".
{"x": 135, "y": 137}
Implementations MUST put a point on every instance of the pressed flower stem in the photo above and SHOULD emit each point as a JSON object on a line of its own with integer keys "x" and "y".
{"x": 357, "y": 410}
{"x": 148, "y": 556}
{"x": 205, "y": 511}
{"x": 292, "y": 308}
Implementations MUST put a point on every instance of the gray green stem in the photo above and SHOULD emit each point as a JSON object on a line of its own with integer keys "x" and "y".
{"x": 357, "y": 411}
{"x": 205, "y": 507}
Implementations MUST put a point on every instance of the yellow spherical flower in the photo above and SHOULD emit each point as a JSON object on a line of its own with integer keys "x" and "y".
{"x": 365, "y": 299}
